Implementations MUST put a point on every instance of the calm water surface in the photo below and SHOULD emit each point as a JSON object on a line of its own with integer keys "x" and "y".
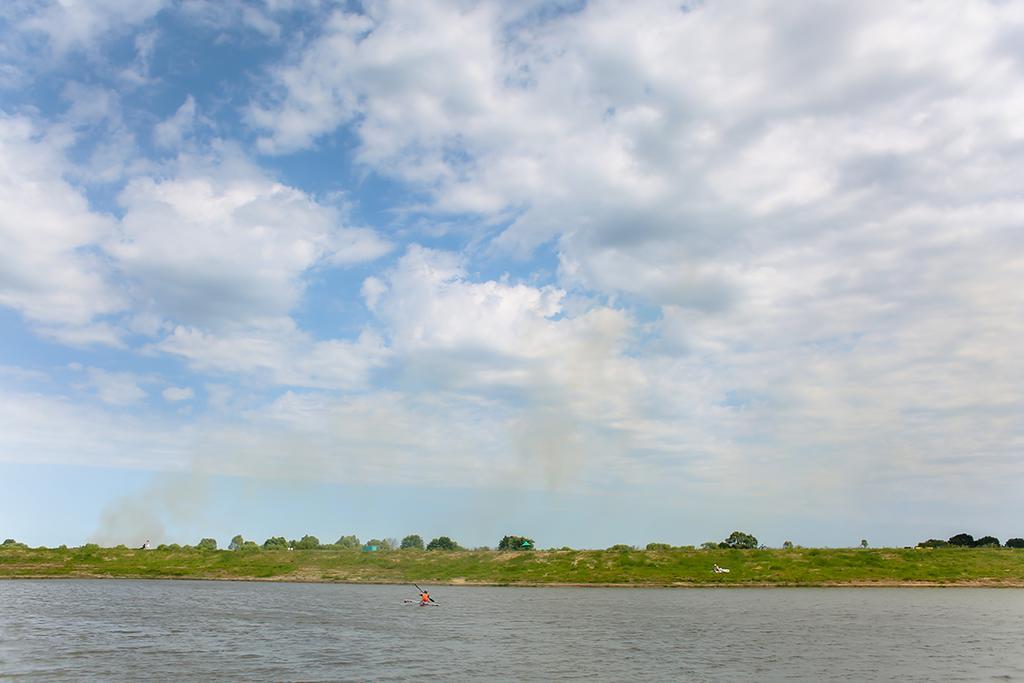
{"x": 184, "y": 630}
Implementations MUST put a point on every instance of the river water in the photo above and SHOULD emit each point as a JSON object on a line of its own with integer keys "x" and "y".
{"x": 202, "y": 631}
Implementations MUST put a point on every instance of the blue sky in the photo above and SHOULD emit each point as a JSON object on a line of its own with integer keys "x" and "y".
{"x": 594, "y": 273}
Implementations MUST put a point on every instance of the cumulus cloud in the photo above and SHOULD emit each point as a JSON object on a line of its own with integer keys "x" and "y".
{"x": 50, "y": 268}
{"x": 218, "y": 243}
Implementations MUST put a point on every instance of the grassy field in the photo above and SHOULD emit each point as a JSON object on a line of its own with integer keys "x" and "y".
{"x": 796, "y": 567}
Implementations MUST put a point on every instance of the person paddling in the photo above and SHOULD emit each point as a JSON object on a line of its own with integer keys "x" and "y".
{"x": 425, "y": 598}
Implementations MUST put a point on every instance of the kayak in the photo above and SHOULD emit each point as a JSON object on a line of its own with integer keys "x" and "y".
{"x": 420, "y": 603}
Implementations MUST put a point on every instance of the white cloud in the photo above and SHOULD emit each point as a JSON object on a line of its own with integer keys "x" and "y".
{"x": 116, "y": 388}
{"x": 170, "y": 132}
{"x": 50, "y": 269}
{"x": 218, "y": 243}
{"x": 81, "y": 25}
{"x": 279, "y": 353}
{"x": 174, "y": 394}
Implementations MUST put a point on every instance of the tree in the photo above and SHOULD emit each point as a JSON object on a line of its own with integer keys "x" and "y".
{"x": 249, "y": 545}
{"x": 863, "y": 543}
{"x": 965, "y": 540}
{"x": 442, "y": 543}
{"x": 380, "y": 543}
{"x": 412, "y": 541}
{"x": 206, "y": 544}
{"x": 658, "y": 546}
{"x": 987, "y": 542}
{"x": 349, "y": 542}
{"x": 787, "y": 545}
{"x": 708, "y": 545}
{"x": 276, "y": 543}
{"x": 739, "y": 540}
{"x": 236, "y": 542}
{"x": 515, "y": 543}
{"x": 307, "y": 543}
{"x": 933, "y": 543}
{"x": 1015, "y": 543}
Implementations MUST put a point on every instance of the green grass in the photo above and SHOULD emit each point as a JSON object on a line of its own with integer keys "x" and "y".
{"x": 797, "y": 567}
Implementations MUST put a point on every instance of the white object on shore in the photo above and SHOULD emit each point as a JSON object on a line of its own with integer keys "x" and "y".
{"x": 720, "y": 570}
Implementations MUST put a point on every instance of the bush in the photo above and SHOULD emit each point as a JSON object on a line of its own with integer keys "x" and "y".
{"x": 658, "y": 546}
{"x": 412, "y": 542}
{"x": 306, "y": 543}
{"x": 740, "y": 540}
{"x": 708, "y": 545}
{"x": 933, "y": 543}
{"x": 963, "y": 540}
{"x": 236, "y": 542}
{"x": 621, "y": 548}
{"x": 987, "y": 542}
{"x": 206, "y": 544}
{"x": 515, "y": 543}
{"x": 1015, "y": 543}
{"x": 787, "y": 545}
{"x": 380, "y": 543}
{"x": 442, "y": 543}
{"x": 276, "y": 543}
{"x": 348, "y": 542}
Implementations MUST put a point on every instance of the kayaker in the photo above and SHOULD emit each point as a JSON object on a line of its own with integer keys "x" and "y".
{"x": 424, "y": 597}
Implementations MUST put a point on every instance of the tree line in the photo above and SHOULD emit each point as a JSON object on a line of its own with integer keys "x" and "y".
{"x": 968, "y": 541}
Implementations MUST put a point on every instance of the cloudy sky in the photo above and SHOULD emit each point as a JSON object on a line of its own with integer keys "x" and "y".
{"x": 605, "y": 272}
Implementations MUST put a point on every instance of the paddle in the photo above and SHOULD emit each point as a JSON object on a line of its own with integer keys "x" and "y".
{"x": 423, "y": 591}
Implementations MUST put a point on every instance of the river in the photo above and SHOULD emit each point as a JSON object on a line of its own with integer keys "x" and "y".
{"x": 127, "y": 630}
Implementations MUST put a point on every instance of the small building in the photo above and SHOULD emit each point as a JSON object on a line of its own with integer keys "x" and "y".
{"x": 370, "y": 548}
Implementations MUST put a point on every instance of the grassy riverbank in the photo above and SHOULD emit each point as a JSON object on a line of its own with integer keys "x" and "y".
{"x": 796, "y": 567}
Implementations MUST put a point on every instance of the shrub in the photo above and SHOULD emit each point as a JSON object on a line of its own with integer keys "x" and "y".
{"x": 206, "y": 544}
{"x": 306, "y": 543}
{"x": 708, "y": 545}
{"x": 515, "y": 543}
{"x": 964, "y": 540}
{"x": 787, "y": 545}
{"x": 442, "y": 543}
{"x": 276, "y": 543}
{"x": 658, "y": 546}
{"x": 621, "y": 548}
{"x": 413, "y": 542}
{"x": 987, "y": 542}
{"x": 1015, "y": 543}
{"x": 933, "y": 543}
{"x": 738, "y": 539}
{"x": 349, "y": 542}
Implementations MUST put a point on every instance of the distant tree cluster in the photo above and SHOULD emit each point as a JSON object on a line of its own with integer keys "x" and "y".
{"x": 515, "y": 543}
{"x": 739, "y": 540}
{"x": 412, "y": 542}
{"x": 310, "y": 542}
{"x": 443, "y": 543}
{"x": 968, "y": 541}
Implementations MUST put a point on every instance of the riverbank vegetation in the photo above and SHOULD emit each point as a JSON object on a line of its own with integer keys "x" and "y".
{"x": 623, "y": 565}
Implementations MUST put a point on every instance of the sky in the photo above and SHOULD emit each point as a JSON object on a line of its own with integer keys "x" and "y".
{"x": 589, "y": 272}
